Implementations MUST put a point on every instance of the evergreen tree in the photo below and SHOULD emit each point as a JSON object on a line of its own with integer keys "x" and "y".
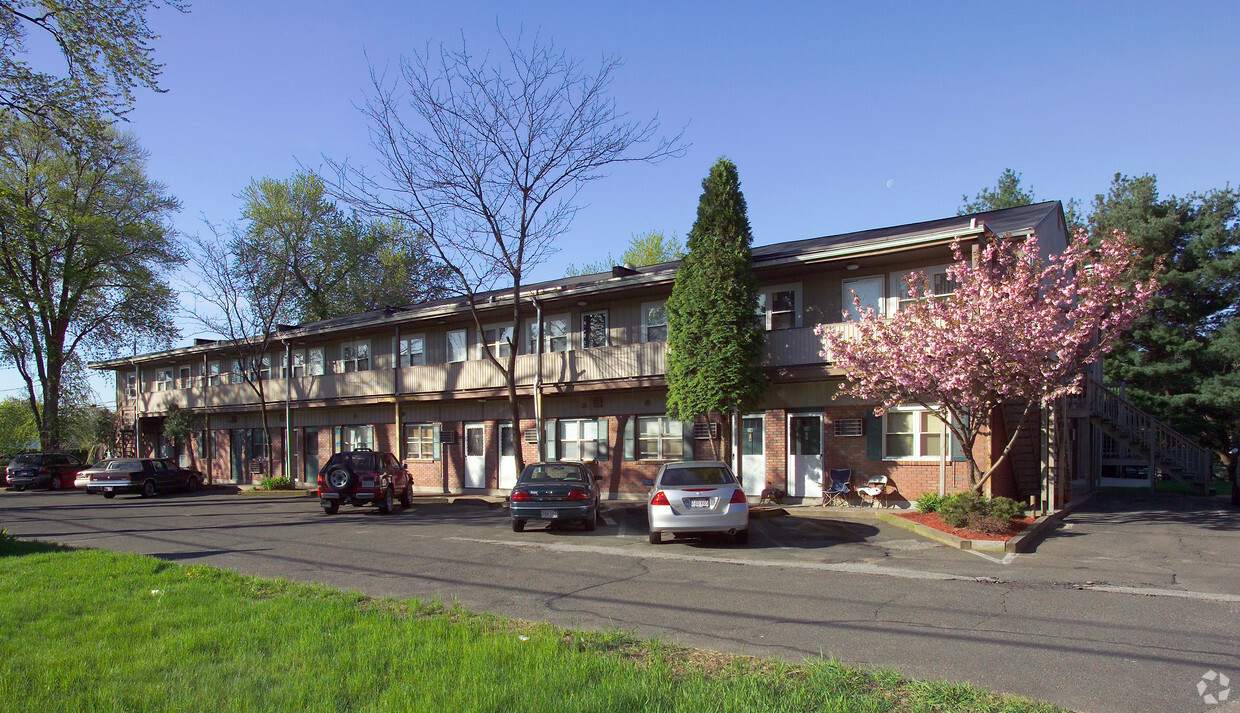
{"x": 715, "y": 344}
{"x": 1182, "y": 360}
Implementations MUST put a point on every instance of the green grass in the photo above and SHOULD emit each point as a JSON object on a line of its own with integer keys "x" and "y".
{"x": 85, "y": 630}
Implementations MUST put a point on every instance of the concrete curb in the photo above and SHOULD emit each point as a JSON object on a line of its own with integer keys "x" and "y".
{"x": 945, "y": 538}
{"x": 1033, "y": 534}
{"x": 766, "y": 513}
{"x": 276, "y": 493}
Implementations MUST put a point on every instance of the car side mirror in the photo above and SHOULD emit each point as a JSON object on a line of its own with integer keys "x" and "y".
{"x": 648, "y": 482}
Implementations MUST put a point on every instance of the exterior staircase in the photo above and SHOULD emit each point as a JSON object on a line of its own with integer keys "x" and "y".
{"x": 1170, "y": 454}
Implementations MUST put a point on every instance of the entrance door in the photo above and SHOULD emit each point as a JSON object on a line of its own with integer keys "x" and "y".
{"x": 507, "y": 457}
{"x": 312, "y": 455}
{"x": 475, "y": 455}
{"x": 753, "y": 455}
{"x": 805, "y": 455}
{"x": 236, "y": 454}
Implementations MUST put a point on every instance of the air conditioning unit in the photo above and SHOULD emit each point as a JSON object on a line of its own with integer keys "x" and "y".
{"x": 705, "y": 431}
{"x": 849, "y": 427}
{"x": 447, "y": 436}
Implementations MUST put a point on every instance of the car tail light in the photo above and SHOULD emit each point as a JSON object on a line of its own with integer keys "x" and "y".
{"x": 660, "y": 498}
{"x": 738, "y": 496}
{"x": 578, "y": 495}
{"x": 520, "y": 496}
{"x": 320, "y": 479}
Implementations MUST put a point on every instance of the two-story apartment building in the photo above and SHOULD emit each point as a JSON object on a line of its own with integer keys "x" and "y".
{"x": 413, "y": 380}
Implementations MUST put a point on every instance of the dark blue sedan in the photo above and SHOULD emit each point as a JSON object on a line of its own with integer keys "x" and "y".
{"x": 554, "y": 491}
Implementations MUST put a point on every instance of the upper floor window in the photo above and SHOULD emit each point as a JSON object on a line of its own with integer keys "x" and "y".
{"x": 594, "y": 332}
{"x": 497, "y": 337}
{"x": 262, "y": 367}
{"x": 659, "y": 438}
{"x": 354, "y": 356}
{"x": 185, "y": 378}
{"x": 557, "y": 334}
{"x": 413, "y": 350}
{"x": 213, "y": 374}
{"x": 317, "y": 360}
{"x": 936, "y": 282}
{"x": 236, "y": 372}
{"x": 654, "y": 322}
{"x": 131, "y": 385}
{"x": 869, "y": 290}
{"x": 780, "y": 307}
{"x": 457, "y": 345}
{"x": 163, "y": 379}
{"x": 298, "y": 359}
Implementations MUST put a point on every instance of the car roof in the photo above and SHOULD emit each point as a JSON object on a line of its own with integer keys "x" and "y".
{"x": 696, "y": 464}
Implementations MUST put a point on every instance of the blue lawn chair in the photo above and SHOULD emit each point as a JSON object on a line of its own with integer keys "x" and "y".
{"x": 841, "y": 486}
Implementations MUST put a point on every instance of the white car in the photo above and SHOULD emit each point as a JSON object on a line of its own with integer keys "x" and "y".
{"x": 696, "y": 497}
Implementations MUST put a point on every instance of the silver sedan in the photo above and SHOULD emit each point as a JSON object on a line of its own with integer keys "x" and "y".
{"x": 698, "y": 497}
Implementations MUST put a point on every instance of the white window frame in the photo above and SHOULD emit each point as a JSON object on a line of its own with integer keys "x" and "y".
{"x": 356, "y": 437}
{"x": 663, "y": 438}
{"x": 499, "y": 345}
{"x": 766, "y": 301}
{"x": 606, "y": 329}
{"x": 214, "y": 375}
{"x": 463, "y": 354}
{"x": 646, "y": 307}
{"x": 407, "y": 356}
{"x": 919, "y": 454}
{"x": 421, "y": 445}
{"x": 262, "y": 367}
{"x": 236, "y": 372}
{"x": 570, "y": 435}
{"x": 297, "y": 358}
{"x": 185, "y": 382}
{"x": 316, "y": 361}
{"x": 896, "y": 285}
{"x": 350, "y": 357}
{"x": 163, "y": 379}
{"x": 564, "y": 340}
{"x": 131, "y": 386}
{"x": 880, "y": 306}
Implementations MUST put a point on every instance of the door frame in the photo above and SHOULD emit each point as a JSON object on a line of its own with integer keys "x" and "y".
{"x": 788, "y": 453}
{"x": 466, "y": 482}
{"x": 509, "y": 461}
{"x": 747, "y": 478}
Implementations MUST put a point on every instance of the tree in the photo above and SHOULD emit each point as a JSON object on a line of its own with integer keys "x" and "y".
{"x": 18, "y": 431}
{"x": 106, "y": 48}
{"x": 1180, "y": 362}
{"x": 714, "y": 344}
{"x": 1008, "y": 193}
{"x": 85, "y": 249}
{"x": 336, "y": 264}
{"x": 649, "y": 248}
{"x": 1017, "y": 327}
{"x": 485, "y": 157}
{"x": 236, "y": 300}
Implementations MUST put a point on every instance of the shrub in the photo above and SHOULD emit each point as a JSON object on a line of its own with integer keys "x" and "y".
{"x": 977, "y": 513}
{"x": 955, "y": 510}
{"x": 930, "y": 502}
{"x": 275, "y": 483}
{"x": 1006, "y": 508}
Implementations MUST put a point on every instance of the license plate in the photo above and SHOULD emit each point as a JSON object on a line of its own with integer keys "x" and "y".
{"x": 696, "y": 503}
{"x": 550, "y": 514}
{"x": 107, "y": 489}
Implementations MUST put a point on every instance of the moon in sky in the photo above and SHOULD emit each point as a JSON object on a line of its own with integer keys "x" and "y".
{"x": 891, "y": 182}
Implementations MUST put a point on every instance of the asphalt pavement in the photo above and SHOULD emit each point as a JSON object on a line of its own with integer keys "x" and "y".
{"x": 1123, "y": 608}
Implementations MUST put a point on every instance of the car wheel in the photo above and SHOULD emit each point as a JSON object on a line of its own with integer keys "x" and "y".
{"x": 386, "y": 504}
{"x": 518, "y": 525}
{"x": 332, "y": 507}
{"x": 148, "y": 489}
{"x": 19, "y": 488}
{"x": 590, "y": 522}
{"x": 54, "y": 483}
{"x": 741, "y": 537}
{"x": 109, "y": 496}
{"x": 656, "y": 537}
{"x": 191, "y": 484}
{"x": 406, "y": 498}
{"x": 340, "y": 478}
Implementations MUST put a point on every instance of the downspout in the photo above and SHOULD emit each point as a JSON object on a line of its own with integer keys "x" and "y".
{"x": 288, "y": 410}
{"x": 538, "y": 351}
{"x": 944, "y": 446}
{"x": 208, "y": 438}
{"x": 400, "y": 455}
{"x": 137, "y": 419}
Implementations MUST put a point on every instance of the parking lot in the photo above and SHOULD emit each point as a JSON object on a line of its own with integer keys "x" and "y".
{"x": 840, "y": 584}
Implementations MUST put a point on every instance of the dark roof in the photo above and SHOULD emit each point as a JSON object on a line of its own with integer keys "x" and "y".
{"x": 1017, "y": 220}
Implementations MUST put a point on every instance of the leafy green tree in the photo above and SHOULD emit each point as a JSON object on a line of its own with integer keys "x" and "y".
{"x": 1008, "y": 193}
{"x": 649, "y": 248}
{"x": 85, "y": 250}
{"x": 18, "y": 431}
{"x": 714, "y": 343}
{"x": 181, "y": 423}
{"x": 106, "y": 45}
{"x": 1180, "y": 362}
{"x": 336, "y": 264}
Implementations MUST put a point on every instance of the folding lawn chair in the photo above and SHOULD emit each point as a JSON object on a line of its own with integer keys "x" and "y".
{"x": 841, "y": 485}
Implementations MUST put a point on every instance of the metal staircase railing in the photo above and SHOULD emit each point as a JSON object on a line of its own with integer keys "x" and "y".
{"x": 1169, "y": 451}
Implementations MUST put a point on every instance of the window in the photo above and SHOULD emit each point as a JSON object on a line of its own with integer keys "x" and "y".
{"x": 317, "y": 358}
{"x": 413, "y": 350}
{"x": 213, "y": 374}
{"x": 780, "y": 307}
{"x": 457, "y": 345}
{"x": 354, "y": 356}
{"x": 236, "y": 375}
{"x": 185, "y": 379}
{"x": 578, "y": 439}
{"x": 557, "y": 334}
{"x": 654, "y": 322}
{"x": 594, "y": 332}
{"x": 351, "y": 438}
{"x": 262, "y": 367}
{"x": 298, "y": 357}
{"x": 420, "y": 442}
{"x": 131, "y": 385}
{"x": 869, "y": 290}
{"x": 659, "y": 438}
{"x": 258, "y": 443}
{"x": 499, "y": 338}
{"x": 163, "y": 379}
{"x": 937, "y": 283}
{"x": 912, "y": 433}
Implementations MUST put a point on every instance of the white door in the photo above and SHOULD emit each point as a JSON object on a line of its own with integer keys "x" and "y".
{"x": 475, "y": 455}
{"x": 805, "y": 455}
{"x": 507, "y": 457}
{"x": 753, "y": 455}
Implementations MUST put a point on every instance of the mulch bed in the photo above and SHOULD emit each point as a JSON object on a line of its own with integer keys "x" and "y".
{"x": 932, "y": 519}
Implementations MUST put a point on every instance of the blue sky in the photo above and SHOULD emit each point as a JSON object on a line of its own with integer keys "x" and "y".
{"x": 839, "y": 116}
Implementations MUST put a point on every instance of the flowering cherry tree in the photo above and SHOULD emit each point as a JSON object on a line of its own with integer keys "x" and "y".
{"x": 1019, "y": 326}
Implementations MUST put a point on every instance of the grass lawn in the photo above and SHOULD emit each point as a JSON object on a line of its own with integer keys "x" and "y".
{"x": 86, "y": 630}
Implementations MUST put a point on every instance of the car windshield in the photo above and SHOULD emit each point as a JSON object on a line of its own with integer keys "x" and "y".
{"x": 552, "y": 473}
{"x": 356, "y": 460}
{"x": 701, "y": 475}
{"x": 27, "y": 459}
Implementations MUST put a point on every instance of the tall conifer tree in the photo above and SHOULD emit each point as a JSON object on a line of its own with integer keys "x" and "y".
{"x": 715, "y": 342}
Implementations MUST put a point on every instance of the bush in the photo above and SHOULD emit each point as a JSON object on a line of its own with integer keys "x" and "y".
{"x": 955, "y": 510}
{"x": 930, "y": 502}
{"x": 977, "y": 513}
{"x": 275, "y": 483}
{"x": 1006, "y": 508}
